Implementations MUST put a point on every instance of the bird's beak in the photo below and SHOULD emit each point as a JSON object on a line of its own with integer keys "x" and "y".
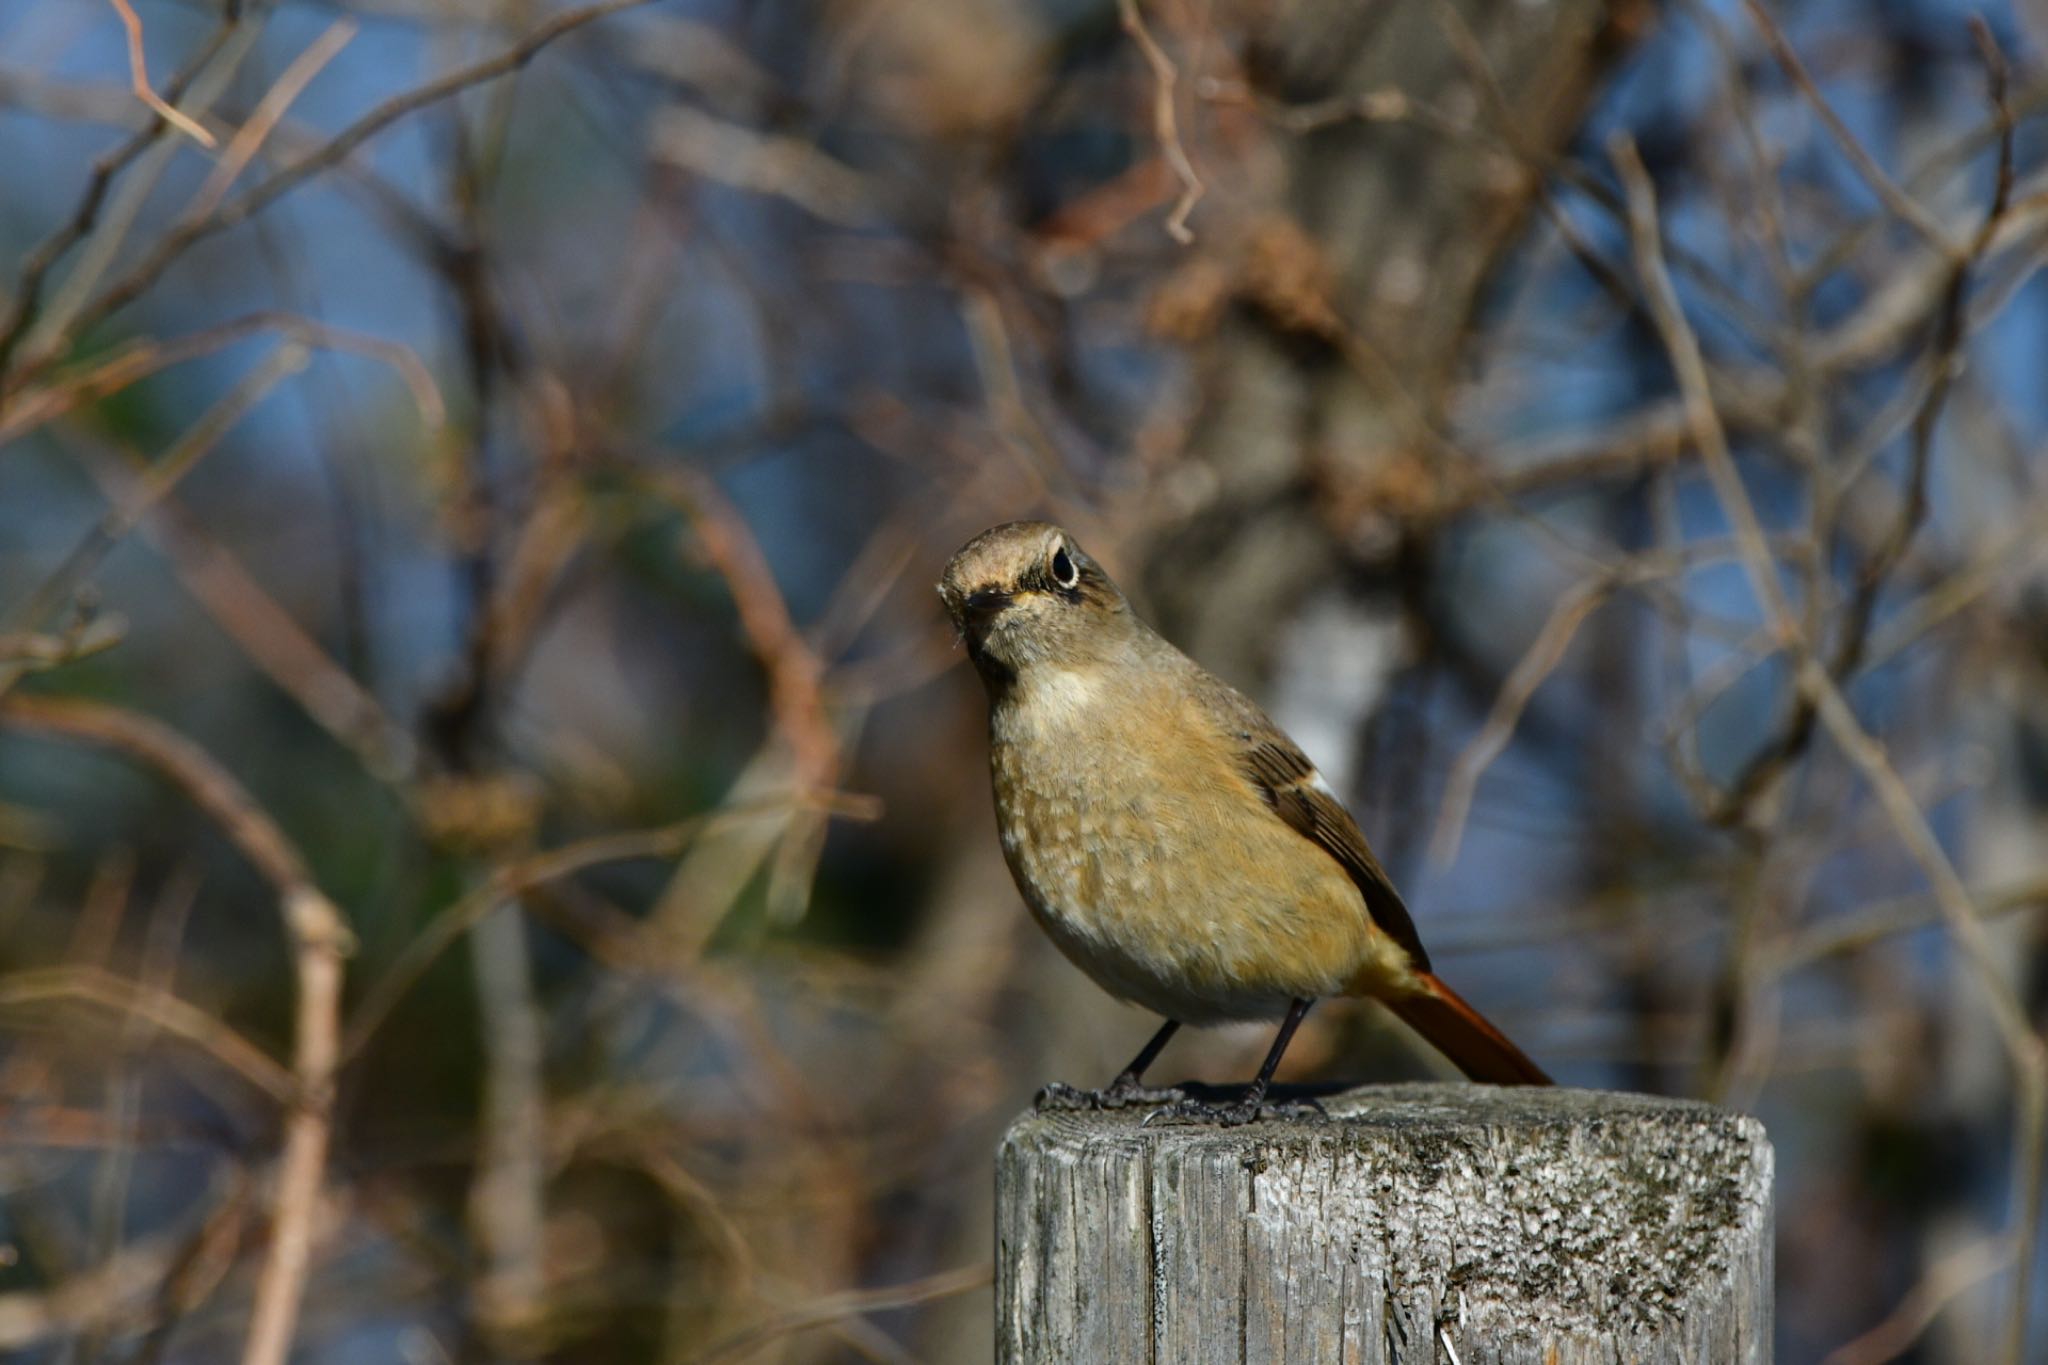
{"x": 982, "y": 606}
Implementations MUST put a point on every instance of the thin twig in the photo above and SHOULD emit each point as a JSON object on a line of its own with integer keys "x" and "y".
{"x": 163, "y": 475}
{"x": 267, "y": 114}
{"x": 268, "y": 635}
{"x": 138, "y": 79}
{"x": 2028, "y": 1056}
{"x": 320, "y": 940}
{"x": 795, "y": 674}
{"x": 336, "y": 150}
{"x": 137, "y": 359}
{"x": 1850, "y": 933}
{"x": 1943, "y": 363}
{"x": 162, "y": 1011}
{"x": 1538, "y": 662}
{"x": 513, "y": 879}
{"x": 1949, "y": 1278}
{"x": 835, "y": 1307}
{"x": 1906, "y": 208}
{"x": 1165, "y": 120}
{"x": 37, "y": 264}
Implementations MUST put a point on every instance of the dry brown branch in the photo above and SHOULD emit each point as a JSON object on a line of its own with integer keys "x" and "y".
{"x": 138, "y": 76}
{"x": 88, "y": 634}
{"x": 1874, "y": 924}
{"x": 110, "y": 1291}
{"x": 836, "y": 1307}
{"x": 266, "y": 633}
{"x": 2009, "y": 557}
{"x": 125, "y": 207}
{"x": 31, "y": 407}
{"x": 795, "y": 674}
{"x": 2028, "y": 1055}
{"x": 321, "y": 942}
{"x": 37, "y": 264}
{"x": 1752, "y": 401}
{"x": 333, "y": 152}
{"x": 190, "y": 768}
{"x": 167, "y": 1013}
{"x": 1035, "y": 455}
{"x": 1944, "y": 359}
{"x": 1945, "y": 1281}
{"x": 1932, "y": 170}
{"x": 513, "y": 879}
{"x": 123, "y": 1083}
{"x": 1541, "y": 659}
{"x": 507, "y": 1210}
{"x": 268, "y": 112}
{"x": 1165, "y": 119}
{"x": 761, "y": 163}
{"x": 163, "y": 476}
{"x": 1903, "y": 206}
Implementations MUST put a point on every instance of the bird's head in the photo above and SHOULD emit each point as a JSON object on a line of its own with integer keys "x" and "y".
{"x": 1024, "y": 594}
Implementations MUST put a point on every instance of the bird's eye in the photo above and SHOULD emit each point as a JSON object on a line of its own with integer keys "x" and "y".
{"x": 1064, "y": 574}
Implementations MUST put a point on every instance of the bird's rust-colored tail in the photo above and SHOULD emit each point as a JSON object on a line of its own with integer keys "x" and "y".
{"x": 1463, "y": 1034}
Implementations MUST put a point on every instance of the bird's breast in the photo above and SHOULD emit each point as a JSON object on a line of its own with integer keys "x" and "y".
{"x": 1074, "y": 804}
{"x": 1152, "y": 864}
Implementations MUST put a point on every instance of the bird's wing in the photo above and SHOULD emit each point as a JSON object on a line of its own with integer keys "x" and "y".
{"x": 1297, "y": 793}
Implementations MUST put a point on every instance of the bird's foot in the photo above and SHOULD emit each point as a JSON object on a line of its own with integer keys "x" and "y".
{"x": 1236, "y": 1113}
{"x": 1119, "y": 1094}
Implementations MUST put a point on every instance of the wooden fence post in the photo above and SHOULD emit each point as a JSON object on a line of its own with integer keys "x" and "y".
{"x": 1458, "y": 1224}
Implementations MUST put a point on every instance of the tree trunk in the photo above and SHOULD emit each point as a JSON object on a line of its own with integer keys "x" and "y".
{"x": 1397, "y": 225}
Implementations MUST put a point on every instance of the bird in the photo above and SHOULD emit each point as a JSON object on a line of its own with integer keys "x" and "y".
{"x": 1172, "y": 841}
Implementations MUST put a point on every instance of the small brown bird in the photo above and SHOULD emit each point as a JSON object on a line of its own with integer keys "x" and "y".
{"x": 1174, "y": 844}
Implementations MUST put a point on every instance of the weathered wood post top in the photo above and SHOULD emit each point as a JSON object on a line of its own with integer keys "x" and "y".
{"x": 1443, "y": 1223}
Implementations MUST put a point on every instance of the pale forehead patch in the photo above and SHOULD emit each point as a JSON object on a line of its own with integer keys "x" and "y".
{"x": 999, "y": 556}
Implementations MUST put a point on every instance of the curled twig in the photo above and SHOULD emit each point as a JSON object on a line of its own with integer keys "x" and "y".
{"x": 138, "y": 78}
{"x": 1165, "y": 119}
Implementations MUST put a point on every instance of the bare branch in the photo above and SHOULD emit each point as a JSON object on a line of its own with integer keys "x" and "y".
{"x": 2028, "y": 1055}
{"x": 1165, "y": 119}
{"x": 167, "y": 1013}
{"x": 1903, "y": 206}
{"x": 836, "y": 1307}
{"x": 176, "y": 462}
{"x": 138, "y": 76}
{"x": 269, "y": 111}
{"x": 321, "y": 941}
{"x": 334, "y": 151}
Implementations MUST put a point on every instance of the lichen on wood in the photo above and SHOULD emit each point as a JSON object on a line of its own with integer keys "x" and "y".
{"x": 1421, "y": 1223}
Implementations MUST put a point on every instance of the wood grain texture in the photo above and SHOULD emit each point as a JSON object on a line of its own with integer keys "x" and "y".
{"x": 1437, "y": 1223}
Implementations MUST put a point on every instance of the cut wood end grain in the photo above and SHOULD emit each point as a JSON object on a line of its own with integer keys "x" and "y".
{"x": 1538, "y": 1225}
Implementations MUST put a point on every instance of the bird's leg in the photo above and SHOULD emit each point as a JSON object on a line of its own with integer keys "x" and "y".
{"x": 1255, "y": 1093}
{"x": 1125, "y": 1090}
{"x": 1252, "y": 1104}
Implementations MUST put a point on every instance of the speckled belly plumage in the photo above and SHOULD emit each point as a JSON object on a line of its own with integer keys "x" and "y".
{"x": 1139, "y": 864}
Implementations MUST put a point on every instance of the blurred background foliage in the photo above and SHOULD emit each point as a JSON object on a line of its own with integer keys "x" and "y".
{"x": 495, "y": 854}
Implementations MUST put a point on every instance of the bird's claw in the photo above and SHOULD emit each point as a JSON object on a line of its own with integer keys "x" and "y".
{"x": 1119, "y": 1095}
{"x": 1239, "y": 1112}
